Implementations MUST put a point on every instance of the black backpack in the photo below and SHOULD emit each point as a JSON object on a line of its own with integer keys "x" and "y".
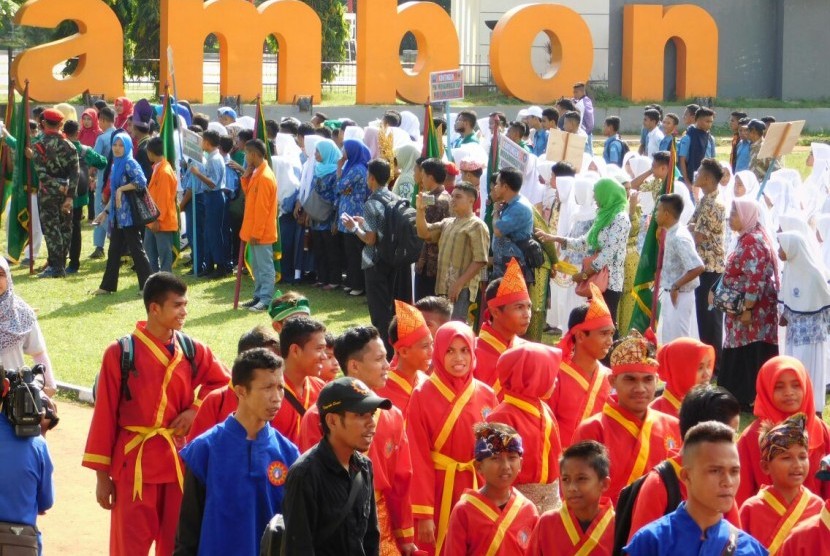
{"x": 128, "y": 359}
{"x": 628, "y": 498}
{"x": 399, "y": 243}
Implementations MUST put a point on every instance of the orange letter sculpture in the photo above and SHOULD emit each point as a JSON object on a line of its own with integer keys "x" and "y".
{"x": 510, "y": 45}
{"x": 241, "y": 30}
{"x": 381, "y": 24}
{"x": 98, "y": 45}
{"x": 646, "y": 29}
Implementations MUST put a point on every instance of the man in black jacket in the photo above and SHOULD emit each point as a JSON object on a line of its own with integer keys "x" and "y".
{"x": 329, "y": 504}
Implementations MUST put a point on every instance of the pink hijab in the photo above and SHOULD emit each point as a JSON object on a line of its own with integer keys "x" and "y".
{"x": 748, "y": 211}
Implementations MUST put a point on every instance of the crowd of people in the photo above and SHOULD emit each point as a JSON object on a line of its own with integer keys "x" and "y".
{"x": 447, "y": 426}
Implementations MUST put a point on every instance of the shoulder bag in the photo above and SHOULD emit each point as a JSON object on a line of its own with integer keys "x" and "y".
{"x": 600, "y": 279}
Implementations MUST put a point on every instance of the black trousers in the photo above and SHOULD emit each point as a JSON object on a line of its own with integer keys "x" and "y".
{"x": 424, "y": 286}
{"x": 709, "y": 322}
{"x": 75, "y": 240}
{"x": 353, "y": 248}
{"x": 612, "y": 299}
{"x": 328, "y": 256}
{"x": 383, "y": 282}
{"x": 121, "y": 238}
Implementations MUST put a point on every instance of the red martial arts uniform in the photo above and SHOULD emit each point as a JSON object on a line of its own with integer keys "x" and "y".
{"x": 392, "y": 468}
{"x": 768, "y": 518}
{"x": 489, "y": 347}
{"x": 399, "y": 390}
{"x": 559, "y": 533}
{"x": 131, "y": 440}
{"x": 442, "y": 413}
{"x": 811, "y": 537}
{"x": 287, "y": 420}
{"x": 653, "y": 498}
{"x": 679, "y": 361}
{"x": 478, "y": 527}
{"x": 634, "y": 446}
{"x": 576, "y": 398}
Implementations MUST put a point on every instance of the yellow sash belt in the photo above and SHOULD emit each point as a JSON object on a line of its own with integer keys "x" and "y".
{"x": 450, "y": 467}
{"x": 143, "y": 434}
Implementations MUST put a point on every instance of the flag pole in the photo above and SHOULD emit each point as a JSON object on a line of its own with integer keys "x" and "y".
{"x": 26, "y": 144}
{"x": 239, "y": 264}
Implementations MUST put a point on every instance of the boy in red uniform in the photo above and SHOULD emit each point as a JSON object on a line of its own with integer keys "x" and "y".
{"x": 303, "y": 347}
{"x": 441, "y": 414}
{"x": 811, "y": 537}
{"x": 362, "y": 355}
{"x": 684, "y": 364}
{"x": 137, "y": 427}
{"x": 582, "y": 386}
{"x": 637, "y": 437}
{"x": 527, "y": 373}
{"x": 496, "y": 519}
{"x": 770, "y": 515}
{"x": 409, "y": 335}
{"x": 509, "y": 307}
{"x": 584, "y": 525}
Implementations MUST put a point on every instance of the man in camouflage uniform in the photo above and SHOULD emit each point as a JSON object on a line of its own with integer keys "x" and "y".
{"x": 56, "y": 164}
{"x": 759, "y": 166}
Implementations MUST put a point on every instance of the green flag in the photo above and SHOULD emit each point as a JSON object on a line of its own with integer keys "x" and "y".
{"x": 432, "y": 143}
{"x": 645, "y": 305}
{"x": 7, "y": 158}
{"x": 169, "y": 122}
{"x": 19, "y": 220}
{"x": 261, "y": 133}
{"x": 492, "y": 168}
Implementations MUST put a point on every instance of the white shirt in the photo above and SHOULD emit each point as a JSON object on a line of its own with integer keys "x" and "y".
{"x": 653, "y": 141}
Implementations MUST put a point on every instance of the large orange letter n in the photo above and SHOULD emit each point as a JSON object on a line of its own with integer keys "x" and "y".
{"x": 572, "y": 52}
{"x": 647, "y": 29}
{"x": 381, "y": 24}
{"x": 98, "y": 45}
{"x": 241, "y": 30}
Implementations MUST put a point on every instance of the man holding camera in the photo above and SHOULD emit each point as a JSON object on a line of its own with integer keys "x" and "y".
{"x": 27, "y": 490}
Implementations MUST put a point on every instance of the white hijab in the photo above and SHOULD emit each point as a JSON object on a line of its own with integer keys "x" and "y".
{"x": 750, "y": 183}
{"x": 307, "y": 175}
{"x": 795, "y": 222}
{"x": 584, "y": 198}
{"x": 287, "y": 180}
{"x": 639, "y": 165}
{"x": 567, "y": 204}
{"x": 804, "y": 287}
{"x": 411, "y": 125}
{"x": 823, "y": 228}
{"x": 726, "y": 190}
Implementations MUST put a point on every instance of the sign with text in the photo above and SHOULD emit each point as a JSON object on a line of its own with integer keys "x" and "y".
{"x": 192, "y": 145}
{"x": 565, "y": 146}
{"x": 446, "y": 85}
{"x": 512, "y": 155}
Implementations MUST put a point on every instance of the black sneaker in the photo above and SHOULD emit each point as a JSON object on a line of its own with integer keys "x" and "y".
{"x": 249, "y": 304}
{"x": 98, "y": 253}
{"x": 72, "y": 269}
{"x": 52, "y": 273}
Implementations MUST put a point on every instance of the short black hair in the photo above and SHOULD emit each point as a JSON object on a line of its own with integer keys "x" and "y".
{"x": 70, "y": 127}
{"x": 196, "y": 128}
{"x": 657, "y": 107}
{"x": 652, "y": 114}
{"x": 768, "y": 120}
{"x": 692, "y": 108}
{"x": 392, "y": 332}
{"x": 707, "y": 431}
{"x": 704, "y": 112}
{"x": 591, "y": 452}
{"x": 242, "y": 373}
{"x": 492, "y": 290}
{"x": 271, "y": 128}
{"x": 156, "y": 146}
{"x": 567, "y": 104}
{"x": 673, "y": 117}
{"x": 298, "y": 331}
{"x": 201, "y": 120}
{"x": 305, "y": 129}
{"x": 330, "y": 338}
{"x": 323, "y": 132}
{"x": 320, "y": 116}
{"x": 551, "y": 114}
{"x": 512, "y": 178}
{"x": 211, "y": 137}
{"x": 434, "y": 168}
{"x": 226, "y": 144}
{"x": 256, "y": 145}
{"x": 738, "y": 115}
{"x": 260, "y": 336}
{"x": 469, "y": 116}
{"x": 707, "y": 403}
{"x": 100, "y": 104}
{"x": 352, "y": 343}
{"x": 435, "y": 304}
{"x": 289, "y": 126}
{"x": 573, "y": 115}
{"x": 245, "y": 135}
{"x": 468, "y": 188}
{"x": 380, "y": 170}
{"x": 501, "y": 117}
{"x": 440, "y": 122}
{"x": 662, "y": 157}
{"x": 392, "y": 118}
{"x": 38, "y": 111}
{"x": 158, "y": 285}
{"x": 563, "y": 169}
{"x": 613, "y": 122}
{"x": 673, "y": 202}
{"x": 107, "y": 113}
{"x": 519, "y": 126}
{"x": 711, "y": 167}
{"x": 578, "y": 315}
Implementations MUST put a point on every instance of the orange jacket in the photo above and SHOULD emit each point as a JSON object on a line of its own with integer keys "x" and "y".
{"x": 163, "y": 191}
{"x": 260, "y": 219}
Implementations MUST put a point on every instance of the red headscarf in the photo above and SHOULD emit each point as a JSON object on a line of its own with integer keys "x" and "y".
{"x": 529, "y": 370}
{"x": 769, "y": 374}
{"x": 443, "y": 338}
{"x": 679, "y": 360}
{"x": 88, "y": 135}
{"x": 126, "y": 114}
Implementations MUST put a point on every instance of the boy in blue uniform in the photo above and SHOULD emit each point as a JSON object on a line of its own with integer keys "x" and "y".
{"x": 711, "y": 472}
{"x": 236, "y": 470}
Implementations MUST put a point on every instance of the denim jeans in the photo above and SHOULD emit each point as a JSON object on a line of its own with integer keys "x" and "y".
{"x": 159, "y": 248}
{"x": 262, "y": 264}
{"x": 99, "y": 235}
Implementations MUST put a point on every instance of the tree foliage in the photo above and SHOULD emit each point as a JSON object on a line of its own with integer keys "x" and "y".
{"x": 335, "y": 33}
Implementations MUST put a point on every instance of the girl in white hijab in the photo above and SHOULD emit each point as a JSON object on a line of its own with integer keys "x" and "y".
{"x": 823, "y": 231}
{"x": 816, "y": 187}
{"x": 405, "y": 186}
{"x": 307, "y": 174}
{"x": 794, "y": 222}
{"x": 805, "y": 309}
{"x": 411, "y": 125}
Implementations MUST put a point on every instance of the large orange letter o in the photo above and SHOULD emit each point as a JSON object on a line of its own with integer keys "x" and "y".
{"x": 512, "y": 39}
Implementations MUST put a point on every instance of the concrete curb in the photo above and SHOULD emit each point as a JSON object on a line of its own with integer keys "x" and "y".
{"x": 83, "y": 394}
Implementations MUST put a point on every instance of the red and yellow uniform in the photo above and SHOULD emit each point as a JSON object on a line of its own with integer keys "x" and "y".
{"x": 811, "y": 537}
{"x": 215, "y": 408}
{"x": 527, "y": 373}
{"x": 441, "y": 415}
{"x": 679, "y": 361}
{"x": 480, "y": 528}
{"x": 131, "y": 440}
{"x": 559, "y": 533}
{"x": 399, "y": 390}
{"x": 580, "y": 394}
{"x": 767, "y": 517}
{"x": 392, "y": 468}
{"x": 818, "y": 433}
{"x": 411, "y": 328}
{"x": 287, "y": 420}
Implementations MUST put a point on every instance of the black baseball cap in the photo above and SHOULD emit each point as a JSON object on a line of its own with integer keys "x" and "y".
{"x": 349, "y": 394}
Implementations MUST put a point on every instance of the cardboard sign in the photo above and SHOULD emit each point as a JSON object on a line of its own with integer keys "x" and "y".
{"x": 780, "y": 139}
{"x": 446, "y": 85}
{"x": 192, "y": 145}
{"x": 565, "y": 146}
{"x": 511, "y": 155}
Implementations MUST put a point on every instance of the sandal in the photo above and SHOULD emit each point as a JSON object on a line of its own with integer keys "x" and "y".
{"x": 99, "y": 291}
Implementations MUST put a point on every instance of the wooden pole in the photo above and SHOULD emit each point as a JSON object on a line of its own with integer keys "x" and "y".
{"x": 29, "y": 207}
{"x": 239, "y": 266}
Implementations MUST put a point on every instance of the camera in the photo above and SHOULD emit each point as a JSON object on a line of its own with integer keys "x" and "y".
{"x": 26, "y": 404}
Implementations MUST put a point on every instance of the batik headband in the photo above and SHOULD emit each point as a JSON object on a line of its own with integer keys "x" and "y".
{"x": 779, "y": 439}
{"x": 491, "y": 441}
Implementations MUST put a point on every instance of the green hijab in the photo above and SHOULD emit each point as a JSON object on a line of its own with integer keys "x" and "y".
{"x": 611, "y": 200}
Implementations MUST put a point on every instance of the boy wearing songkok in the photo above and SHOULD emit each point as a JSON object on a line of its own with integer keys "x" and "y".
{"x": 409, "y": 335}
{"x": 812, "y": 535}
{"x": 285, "y": 305}
{"x": 637, "y": 437}
{"x": 527, "y": 373}
{"x": 584, "y": 525}
{"x": 770, "y": 515}
{"x": 582, "y": 386}
{"x": 496, "y": 519}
